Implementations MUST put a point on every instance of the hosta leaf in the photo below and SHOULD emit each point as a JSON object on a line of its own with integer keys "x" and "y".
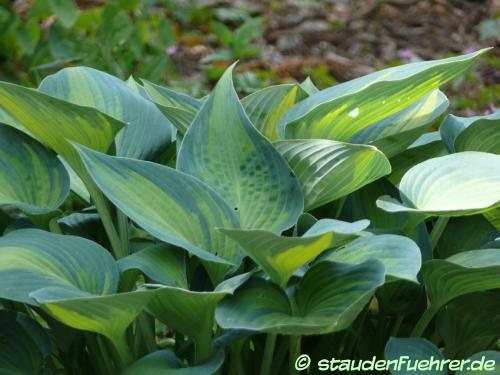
{"x": 75, "y": 182}
{"x": 308, "y": 86}
{"x": 31, "y": 259}
{"x": 166, "y": 363}
{"x": 465, "y": 233}
{"x": 462, "y": 326}
{"x": 427, "y": 146}
{"x": 327, "y": 299}
{"x": 400, "y": 255}
{"x": 281, "y": 256}
{"x": 417, "y": 349}
{"x": 24, "y": 344}
{"x": 161, "y": 263}
{"x": 179, "y": 108}
{"x": 451, "y": 185}
{"x": 489, "y": 355}
{"x": 31, "y": 177}
{"x": 55, "y": 122}
{"x": 109, "y": 315}
{"x": 265, "y": 107}
{"x": 147, "y": 132}
{"x": 477, "y": 133}
{"x": 493, "y": 216}
{"x": 223, "y": 149}
{"x": 137, "y": 88}
{"x": 462, "y": 273}
{"x": 339, "y": 112}
{"x": 170, "y": 205}
{"x": 190, "y": 312}
{"x": 361, "y": 204}
{"x": 328, "y": 170}
{"x": 393, "y": 134}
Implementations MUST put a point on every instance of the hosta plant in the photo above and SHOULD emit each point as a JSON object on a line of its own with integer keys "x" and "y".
{"x": 148, "y": 232}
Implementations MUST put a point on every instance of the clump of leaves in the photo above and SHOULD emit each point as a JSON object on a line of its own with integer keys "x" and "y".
{"x": 147, "y": 231}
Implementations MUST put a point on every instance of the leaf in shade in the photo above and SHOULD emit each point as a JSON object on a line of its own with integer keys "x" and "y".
{"x": 164, "y": 362}
{"x": 417, "y": 349}
{"x": 24, "y": 345}
{"x": 477, "y": 133}
{"x": 162, "y": 263}
{"x": 461, "y": 324}
{"x": 327, "y": 299}
{"x": 31, "y": 177}
{"x": 400, "y": 255}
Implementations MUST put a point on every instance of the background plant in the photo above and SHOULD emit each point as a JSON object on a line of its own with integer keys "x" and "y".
{"x": 147, "y": 231}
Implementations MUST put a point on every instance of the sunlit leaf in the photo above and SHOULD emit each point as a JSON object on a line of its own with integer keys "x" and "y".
{"x": 328, "y": 170}
{"x": 393, "y": 134}
{"x": 339, "y": 112}
{"x": 147, "y": 132}
{"x": 265, "y": 107}
{"x": 281, "y": 256}
{"x": 451, "y": 185}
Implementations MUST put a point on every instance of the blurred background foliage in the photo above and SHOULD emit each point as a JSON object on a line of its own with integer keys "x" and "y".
{"x": 186, "y": 44}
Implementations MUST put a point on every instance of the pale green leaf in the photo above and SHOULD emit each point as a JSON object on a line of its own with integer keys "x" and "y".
{"x": 427, "y": 146}
{"x": 451, "y": 185}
